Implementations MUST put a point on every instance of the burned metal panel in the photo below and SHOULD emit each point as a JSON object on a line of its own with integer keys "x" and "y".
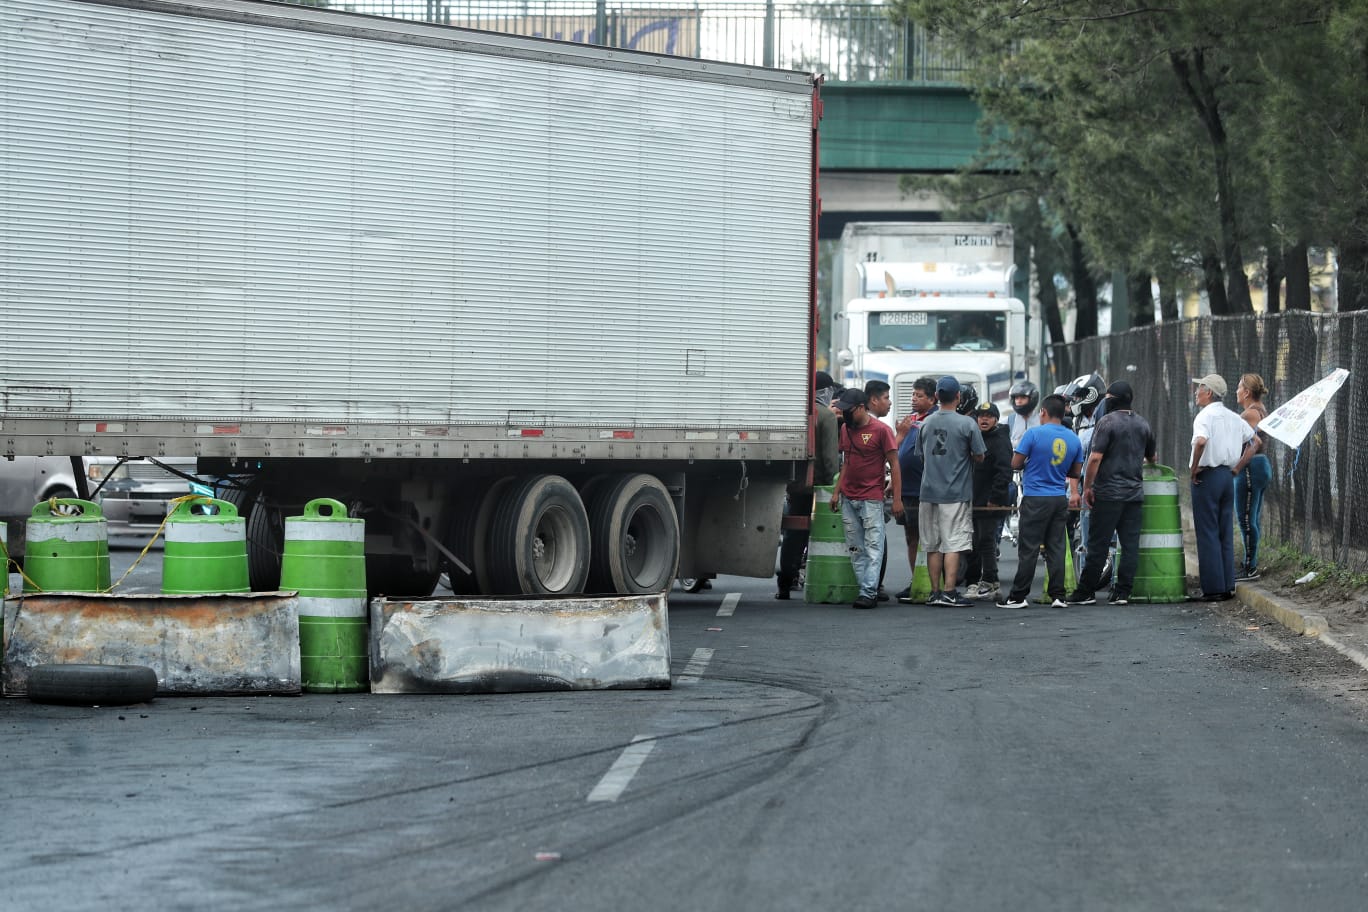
{"x": 517, "y": 645}
{"x": 198, "y": 644}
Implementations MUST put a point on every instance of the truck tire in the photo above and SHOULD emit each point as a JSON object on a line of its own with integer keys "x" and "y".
{"x": 92, "y": 685}
{"x": 635, "y": 535}
{"x": 265, "y": 530}
{"x": 539, "y": 540}
{"x": 486, "y": 583}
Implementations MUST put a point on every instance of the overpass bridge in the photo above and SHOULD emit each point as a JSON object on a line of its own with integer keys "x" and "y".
{"x": 893, "y": 103}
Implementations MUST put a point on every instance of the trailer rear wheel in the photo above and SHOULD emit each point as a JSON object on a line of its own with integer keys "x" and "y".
{"x": 265, "y": 530}
{"x": 539, "y": 541}
{"x": 484, "y": 525}
{"x": 635, "y": 536}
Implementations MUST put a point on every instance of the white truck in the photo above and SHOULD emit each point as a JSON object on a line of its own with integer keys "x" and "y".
{"x": 498, "y": 294}
{"x": 931, "y": 298}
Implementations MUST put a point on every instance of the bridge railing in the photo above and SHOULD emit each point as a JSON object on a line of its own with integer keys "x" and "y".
{"x": 856, "y": 42}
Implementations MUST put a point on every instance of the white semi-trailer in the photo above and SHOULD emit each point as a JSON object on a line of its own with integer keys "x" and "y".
{"x": 498, "y": 294}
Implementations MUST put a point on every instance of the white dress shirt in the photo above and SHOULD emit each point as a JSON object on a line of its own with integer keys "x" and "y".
{"x": 1225, "y": 433}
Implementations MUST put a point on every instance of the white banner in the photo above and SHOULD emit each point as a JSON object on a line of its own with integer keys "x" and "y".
{"x": 1292, "y": 421}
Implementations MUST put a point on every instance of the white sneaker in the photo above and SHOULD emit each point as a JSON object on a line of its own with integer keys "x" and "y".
{"x": 973, "y": 591}
{"x": 1059, "y": 603}
{"x": 987, "y": 591}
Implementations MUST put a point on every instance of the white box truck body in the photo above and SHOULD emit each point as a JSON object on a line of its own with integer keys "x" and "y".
{"x": 419, "y": 269}
{"x": 930, "y": 299}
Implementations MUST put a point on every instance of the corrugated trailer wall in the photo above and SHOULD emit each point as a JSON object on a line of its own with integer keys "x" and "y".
{"x": 203, "y": 216}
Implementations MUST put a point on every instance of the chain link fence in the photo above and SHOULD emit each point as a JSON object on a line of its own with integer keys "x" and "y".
{"x": 1318, "y": 499}
{"x": 856, "y": 42}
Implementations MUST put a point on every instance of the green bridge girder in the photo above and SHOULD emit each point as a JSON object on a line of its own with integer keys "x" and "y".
{"x": 897, "y": 127}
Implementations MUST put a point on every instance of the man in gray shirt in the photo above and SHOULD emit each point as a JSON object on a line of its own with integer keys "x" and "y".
{"x": 1114, "y": 489}
{"x": 948, "y": 442}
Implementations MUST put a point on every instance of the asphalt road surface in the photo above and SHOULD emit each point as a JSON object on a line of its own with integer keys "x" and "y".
{"x": 808, "y": 757}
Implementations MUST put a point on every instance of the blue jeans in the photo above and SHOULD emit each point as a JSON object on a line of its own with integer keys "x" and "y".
{"x": 1249, "y": 494}
{"x": 1213, "y": 506}
{"x": 864, "y": 535}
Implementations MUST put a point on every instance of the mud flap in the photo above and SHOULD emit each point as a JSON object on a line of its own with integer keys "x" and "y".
{"x": 466, "y": 645}
{"x": 197, "y": 644}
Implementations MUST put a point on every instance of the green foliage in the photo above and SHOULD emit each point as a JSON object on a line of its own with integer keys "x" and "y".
{"x": 1283, "y": 560}
{"x": 1161, "y": 132}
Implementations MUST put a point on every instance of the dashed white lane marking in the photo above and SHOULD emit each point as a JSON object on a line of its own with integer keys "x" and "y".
{"x": 697, "y": 665}
{"x": 620, "y": 774}
{"x": 728, "y": 604}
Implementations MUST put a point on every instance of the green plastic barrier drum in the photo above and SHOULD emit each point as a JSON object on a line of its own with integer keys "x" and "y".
{"x": 67, "y": 550}
{"x": 1162, "y": 575}
{"x": 206, "y": 553}
{"x": 325, "y": 561}
{"x": 830, "y": 576}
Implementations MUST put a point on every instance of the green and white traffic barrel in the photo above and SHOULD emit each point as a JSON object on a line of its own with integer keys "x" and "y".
{"x": 206, "y": 549}
{"x": 1162, "y": 574}
{"x": 67, "y": 547}
{"x": 325, "y": 561}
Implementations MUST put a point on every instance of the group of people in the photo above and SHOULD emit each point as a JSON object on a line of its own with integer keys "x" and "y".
{"x": 953, "y": 463}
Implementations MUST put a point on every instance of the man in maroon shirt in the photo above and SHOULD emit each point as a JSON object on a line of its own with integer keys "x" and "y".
{"x": 869, "y": 447}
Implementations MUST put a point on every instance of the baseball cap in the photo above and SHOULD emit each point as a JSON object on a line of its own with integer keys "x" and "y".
{"x": 1214, "y": 382}
{"x": 987, "y": 408}
{"x": 947, "y": 385}
{"x": 849, "y": 399}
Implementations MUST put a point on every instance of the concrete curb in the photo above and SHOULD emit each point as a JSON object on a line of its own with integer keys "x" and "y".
{"x": 1306, "y": 623}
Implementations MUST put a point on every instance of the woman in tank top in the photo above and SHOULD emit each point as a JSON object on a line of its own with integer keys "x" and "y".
{"x": 1252, "y": 481}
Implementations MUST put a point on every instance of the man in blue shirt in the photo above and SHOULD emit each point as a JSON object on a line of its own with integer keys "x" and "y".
{"x": 1047, "y": 456}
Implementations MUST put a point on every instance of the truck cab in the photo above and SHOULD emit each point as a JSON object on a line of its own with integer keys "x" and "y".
{"x": 933, "y": 319}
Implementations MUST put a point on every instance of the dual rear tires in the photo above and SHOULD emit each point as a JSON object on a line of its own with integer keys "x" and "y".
{"x": 540, "y": 535}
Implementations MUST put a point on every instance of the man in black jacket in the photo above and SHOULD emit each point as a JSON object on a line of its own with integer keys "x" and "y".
{"x": 991, "y": 479}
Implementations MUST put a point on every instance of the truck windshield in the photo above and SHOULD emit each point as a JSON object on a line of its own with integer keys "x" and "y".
{"x": 920, "y": 330}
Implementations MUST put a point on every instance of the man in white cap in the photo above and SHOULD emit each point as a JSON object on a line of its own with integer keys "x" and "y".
{"x": 1219, "y": 440}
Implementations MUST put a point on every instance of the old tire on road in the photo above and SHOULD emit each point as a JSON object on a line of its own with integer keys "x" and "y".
{"x": 539, "y": 538}
{"x": 635, "y": 535}
{"x": 92, "y": 685}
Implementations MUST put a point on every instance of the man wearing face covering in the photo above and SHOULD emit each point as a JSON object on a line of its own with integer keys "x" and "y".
{"x": 1114, "y": 490}
{"x": 825, "y": 462}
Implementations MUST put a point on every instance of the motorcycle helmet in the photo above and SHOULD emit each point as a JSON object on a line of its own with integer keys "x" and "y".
{"x": 1025, "y": 388}
{"x": 1084, "y": 393}
{"x": 968, "y": 399}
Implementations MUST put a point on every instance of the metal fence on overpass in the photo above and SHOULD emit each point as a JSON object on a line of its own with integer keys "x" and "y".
{"x": 847, "y": 42}
{"x": 1318, "y": 499}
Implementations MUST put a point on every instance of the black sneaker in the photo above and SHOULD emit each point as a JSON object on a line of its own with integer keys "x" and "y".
{"x": 1248, "y": 575}
{"x": 1079, "y": 597}
{"x": 883, "y": 595}
{"x": 782, "y": 595}
{"x": 1118, "y": 598}
{"x": 1011, "y": 601}
{"x": 864, "y": 601}
{"x": 905, "y": 596}
{"x": 952, "y": 599}
{"x": 934, "y": 598}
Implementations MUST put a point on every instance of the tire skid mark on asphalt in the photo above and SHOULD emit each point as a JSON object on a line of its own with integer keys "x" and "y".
{"x": 729, "y": 602}
{"x": 697, "y": 665}
{"x": 619, "y": 775}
